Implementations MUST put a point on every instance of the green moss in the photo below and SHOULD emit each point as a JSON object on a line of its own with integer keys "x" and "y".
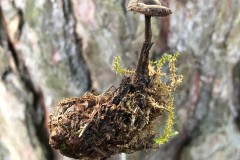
{"x": 160, "y": 93}
{"x": 118, "y": 68}
{"x": 168, "y": 89}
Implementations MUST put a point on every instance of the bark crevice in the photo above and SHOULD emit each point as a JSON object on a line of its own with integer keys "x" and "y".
{"x": 71, "y": 33}
{"x": 37, "y": 103}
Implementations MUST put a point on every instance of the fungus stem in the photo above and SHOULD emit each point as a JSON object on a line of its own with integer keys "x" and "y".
{"x": 142, "y": 75}
{"x": 148, "y": 30}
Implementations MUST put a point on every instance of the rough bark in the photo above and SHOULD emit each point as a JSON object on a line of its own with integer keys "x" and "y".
{"x": 55, "y": 49}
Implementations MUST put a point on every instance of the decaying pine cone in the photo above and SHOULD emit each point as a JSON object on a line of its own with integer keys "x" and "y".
{"x": 117, "y": 121}
{"x": 93, "y": 127}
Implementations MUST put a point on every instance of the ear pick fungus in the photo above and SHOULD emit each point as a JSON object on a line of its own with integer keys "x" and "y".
{"x": 122, "y": 119}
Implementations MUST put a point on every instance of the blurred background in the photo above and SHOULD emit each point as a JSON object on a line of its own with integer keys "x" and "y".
{"x": 51, "y": 49}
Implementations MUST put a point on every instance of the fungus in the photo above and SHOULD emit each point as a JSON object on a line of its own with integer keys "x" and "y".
{"x": 121, "y": 119}
{"x": 149, "y": 8}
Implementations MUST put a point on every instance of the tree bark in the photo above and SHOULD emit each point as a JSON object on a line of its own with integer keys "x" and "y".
{"x": 55, "y": 49}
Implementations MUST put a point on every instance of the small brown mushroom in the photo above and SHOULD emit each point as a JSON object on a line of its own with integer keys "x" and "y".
{"x": 149, "y": 8}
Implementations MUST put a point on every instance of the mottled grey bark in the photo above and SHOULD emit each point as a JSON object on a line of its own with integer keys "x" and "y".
{"x": 55, "y": 49}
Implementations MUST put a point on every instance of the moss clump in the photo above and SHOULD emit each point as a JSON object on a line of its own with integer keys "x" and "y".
{"x": 159, "y": 89}
{"x": 119, "y": 120}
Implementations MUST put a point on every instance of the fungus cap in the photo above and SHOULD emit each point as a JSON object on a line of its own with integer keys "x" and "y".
{"x": 149, "y": 8}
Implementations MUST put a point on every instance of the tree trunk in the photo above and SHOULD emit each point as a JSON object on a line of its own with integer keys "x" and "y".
{"x": 55, "y": 49}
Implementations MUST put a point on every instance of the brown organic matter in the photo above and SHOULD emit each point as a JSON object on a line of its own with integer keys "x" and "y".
{"x": 98, "y": 126}
{"x": 119, "y": 120}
